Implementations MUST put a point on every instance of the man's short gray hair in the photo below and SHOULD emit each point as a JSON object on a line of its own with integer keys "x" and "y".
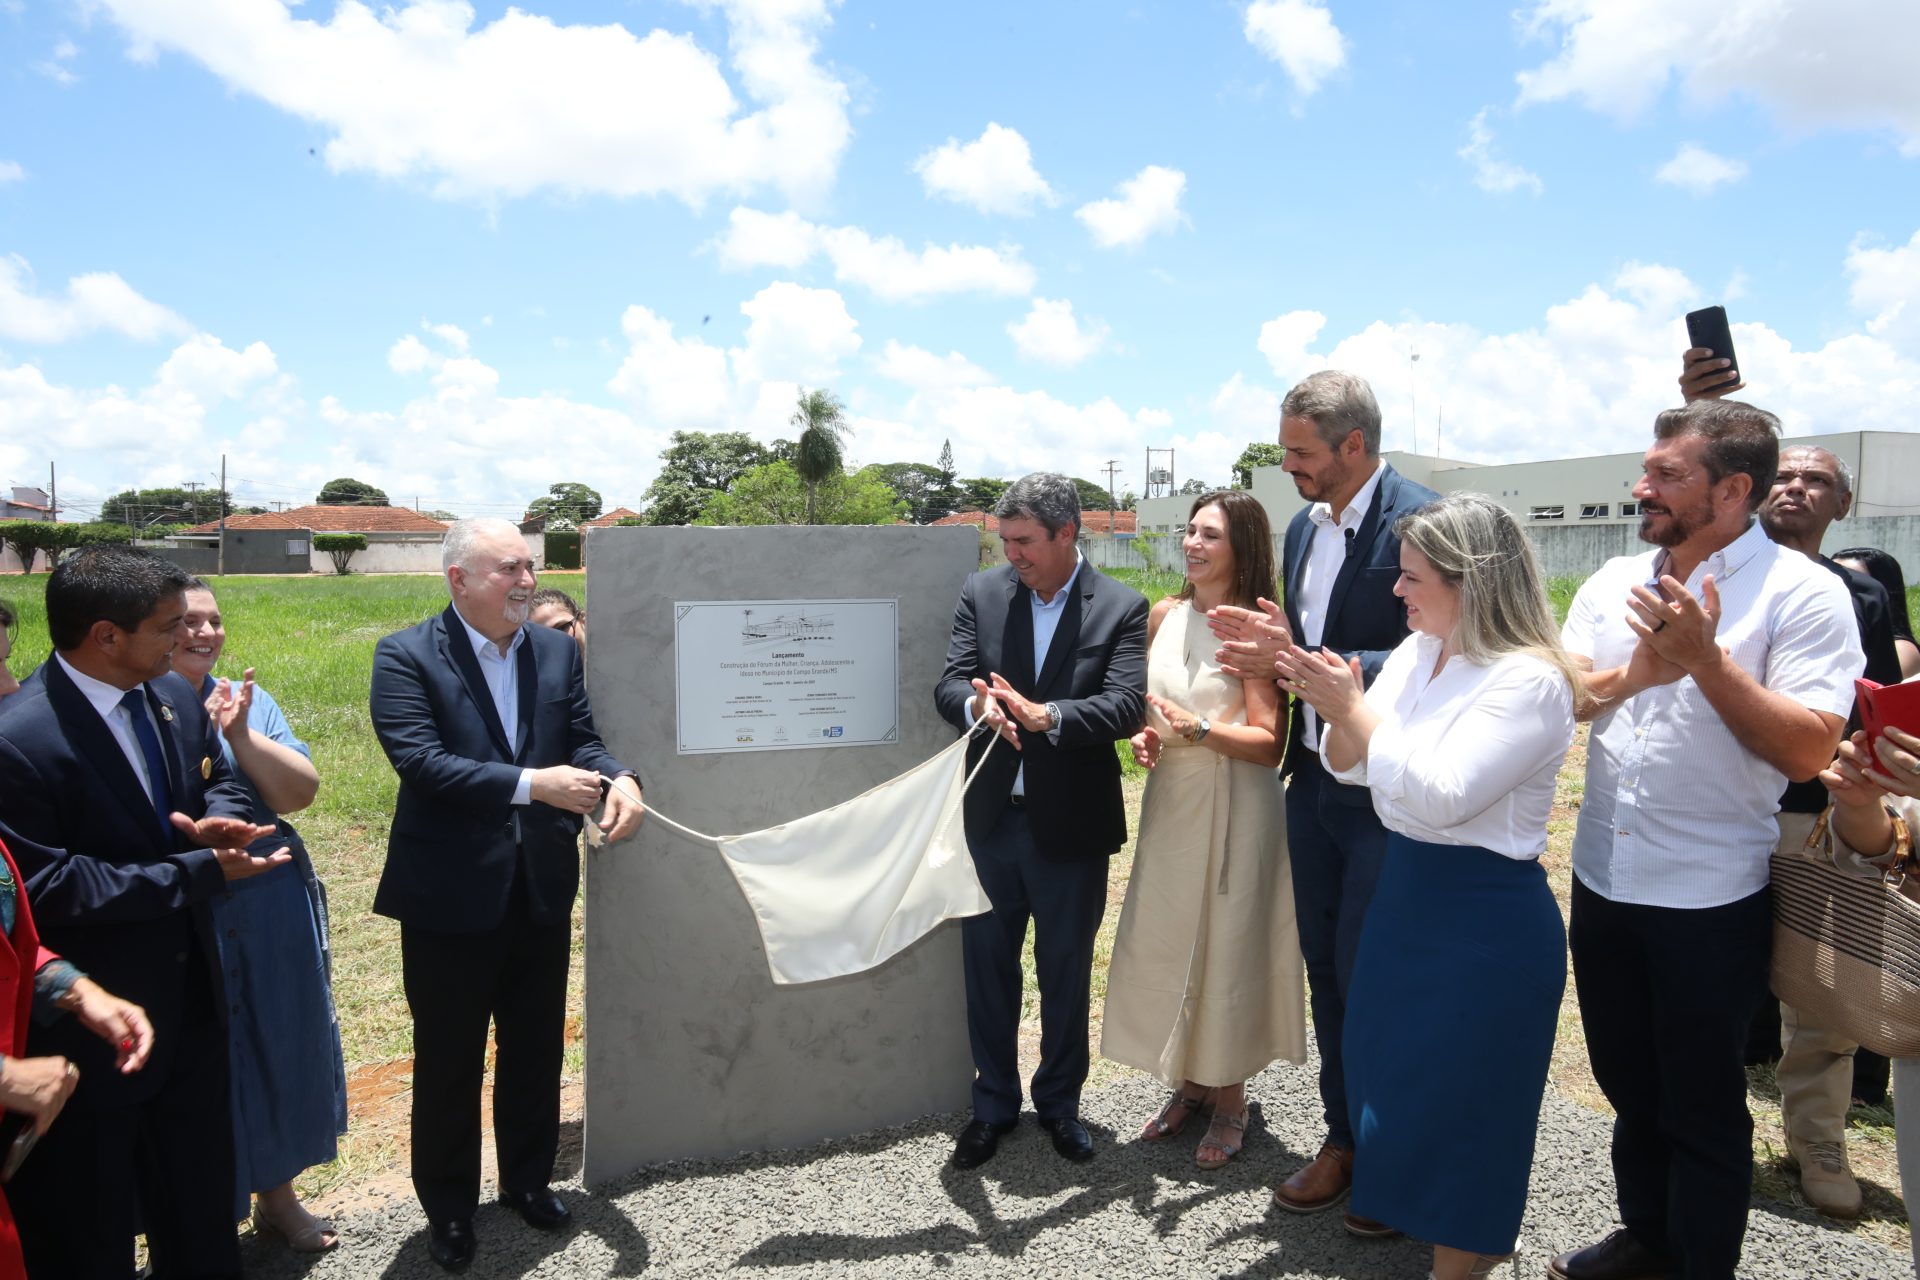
{"x": 463, "y": 536}
{"x": 1842, "y": 472}
{"x": 1045, "y": 496}
{"x": 1338, "y": 404}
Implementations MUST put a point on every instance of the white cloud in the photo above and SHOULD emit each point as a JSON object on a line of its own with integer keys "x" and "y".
{"x": 795, "y": 334}
{"x": 1592, "y": 373}
{"x": 1490, "y": 172}
{"x": 452, "y": 334}
{"x": 1148, "y": 202}
{"x": 920, "y": 368}
{"x": 994, "y": 173}
{"x": 677, "y": 383}
{"x": 1051, "y": 334}
{"x": 10, "y": 171}
{"x": 1847, "y": 63}
{"x": 1698, "y": 170}
{"x": 1300, "y": 36}
{"x": 98, "y": 302}
{"x": 1885, "y": 285}
{"x": 882, "y": 265}
{"x": 524, "y": 103}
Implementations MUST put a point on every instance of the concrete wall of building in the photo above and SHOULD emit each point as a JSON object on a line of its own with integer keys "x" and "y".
{"x": 691, "y": 1048}
{"x": 248, "y": 551}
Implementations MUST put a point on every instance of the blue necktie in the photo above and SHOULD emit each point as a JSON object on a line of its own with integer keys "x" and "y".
{"x": 135, "y": 703}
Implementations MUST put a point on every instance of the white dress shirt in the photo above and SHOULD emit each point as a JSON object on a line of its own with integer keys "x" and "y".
{"x": 105, "y": 699}
{"x": 1677, "y": 812}
{"x": 1326, "y": 553}
{"x": 1468, "y": 756}
{"x": 502, "y": 673}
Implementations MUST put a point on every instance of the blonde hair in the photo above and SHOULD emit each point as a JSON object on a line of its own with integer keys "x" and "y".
{"x": 1477, "y": 546}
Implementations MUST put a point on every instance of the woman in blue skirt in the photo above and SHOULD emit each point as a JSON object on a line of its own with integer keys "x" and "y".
{"x": 289, "y": 1083}
{"x": 1462, "y": 961}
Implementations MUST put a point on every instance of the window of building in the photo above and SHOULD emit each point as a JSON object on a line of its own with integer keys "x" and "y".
{"x": 1629, "y": 508}
{"x": 1548, "y": 513}
{"x": 1593, "y": 511}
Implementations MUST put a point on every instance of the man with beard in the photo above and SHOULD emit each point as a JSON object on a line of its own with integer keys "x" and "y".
{"x": 1819, "y": 1073}
{"x": 486, "y": 721}
{"x": 1722, "y": 667}
{"x": 1340, "y": 560}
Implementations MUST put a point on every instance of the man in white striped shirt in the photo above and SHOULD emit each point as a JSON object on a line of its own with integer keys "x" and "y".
{"x": 1722, "y": 666}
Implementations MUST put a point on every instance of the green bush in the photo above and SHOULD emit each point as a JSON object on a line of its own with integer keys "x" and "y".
{"x": 340, "y": 546}
{"x": 563, "y": 550}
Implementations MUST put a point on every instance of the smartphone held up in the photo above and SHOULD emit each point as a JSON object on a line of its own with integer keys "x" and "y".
{"x": 1707, "y": 330}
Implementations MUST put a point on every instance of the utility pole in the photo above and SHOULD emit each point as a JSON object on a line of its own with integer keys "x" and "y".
{"x": 1113, "y": 465}
{"x": 53, "y": 495}
{"x": 221, "y": 566}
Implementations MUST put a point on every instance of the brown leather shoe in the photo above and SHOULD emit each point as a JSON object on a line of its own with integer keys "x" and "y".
{"x": 1323, "y": 1184}
{"x": 1618, "y": 1257}
{"x": 1366, "y": 1228}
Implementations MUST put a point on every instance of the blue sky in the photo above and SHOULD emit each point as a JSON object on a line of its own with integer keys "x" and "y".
{"x": 464, "y": 252}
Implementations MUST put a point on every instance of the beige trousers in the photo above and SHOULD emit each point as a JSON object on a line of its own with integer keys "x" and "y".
{"x": 1816, "y": 1065}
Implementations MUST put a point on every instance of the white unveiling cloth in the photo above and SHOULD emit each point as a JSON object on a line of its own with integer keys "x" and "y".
{"x": 839, "y": 891}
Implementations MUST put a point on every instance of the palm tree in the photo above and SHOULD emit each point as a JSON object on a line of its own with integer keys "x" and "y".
{"x": 816, "y": 455}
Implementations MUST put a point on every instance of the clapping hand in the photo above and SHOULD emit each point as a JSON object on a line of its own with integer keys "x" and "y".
{"x": 1146, "y": 747}
{"x": 228, "y": 838}
{"x": 1250, "y": 639}
{"x": 1678, "y": 628}
{"x": 1325, "y": 681}
{"x": 227, "y": 706}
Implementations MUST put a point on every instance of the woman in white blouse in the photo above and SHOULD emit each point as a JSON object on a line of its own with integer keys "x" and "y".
{"x": 1463, "y": 957}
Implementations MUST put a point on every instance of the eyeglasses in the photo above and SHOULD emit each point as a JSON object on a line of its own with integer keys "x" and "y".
{"x": 563, "y": 624}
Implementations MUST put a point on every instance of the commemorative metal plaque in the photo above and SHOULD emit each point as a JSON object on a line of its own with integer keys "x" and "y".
{"x": 777, "y": 675}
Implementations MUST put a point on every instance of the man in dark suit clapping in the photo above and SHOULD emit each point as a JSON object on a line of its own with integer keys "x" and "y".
{"x": 125, "y": 822}
{"x": 1340, "y": 560}
{"x": 1052, "y": 654}
{"x": 486, "y": 721}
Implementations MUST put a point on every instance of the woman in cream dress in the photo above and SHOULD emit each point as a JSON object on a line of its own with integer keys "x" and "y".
{"x": 1206, "y": 986}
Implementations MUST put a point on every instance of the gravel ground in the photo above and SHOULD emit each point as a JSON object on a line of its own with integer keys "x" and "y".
{"x": 889, "y": 1204}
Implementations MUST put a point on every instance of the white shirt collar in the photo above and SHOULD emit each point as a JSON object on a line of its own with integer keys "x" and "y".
{"x": 483, "y": 648}
{"x": 1060, "y": 596}
{"x": 105, "y": 698}
{"x": 1321, "y": 513}
{"x": 1727, "y": 560}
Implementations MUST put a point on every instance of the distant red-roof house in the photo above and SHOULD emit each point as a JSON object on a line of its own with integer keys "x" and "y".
{"x": 978, "y": 519}
{"x": 611, "y": 518}
{"x": 334, "y": 519}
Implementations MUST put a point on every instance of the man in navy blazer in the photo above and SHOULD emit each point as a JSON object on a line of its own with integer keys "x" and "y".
{"x": 125, "y": 822}
{"x": 485, "y": 718}
{"x": 1052, "y": 654}
{"x": 1339, "y": 563}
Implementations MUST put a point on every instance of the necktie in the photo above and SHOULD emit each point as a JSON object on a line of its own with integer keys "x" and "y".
{"x": 135, "y": 703}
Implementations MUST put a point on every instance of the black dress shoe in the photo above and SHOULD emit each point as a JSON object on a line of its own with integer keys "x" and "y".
{"x": 541, "y": 1208}
{"x": 1618, "y": 1257}
{"x": 1069, "y": 1138}
{"x": 451, "y": 1244}
{"x": 978, "y": 1141}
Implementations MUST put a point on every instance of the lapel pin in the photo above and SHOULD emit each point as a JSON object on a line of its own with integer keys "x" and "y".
{"x": 166, "y": 713}
{"x": 206, "y": 767}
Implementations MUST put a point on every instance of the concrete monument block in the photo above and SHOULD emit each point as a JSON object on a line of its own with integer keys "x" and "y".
{"x": 691, "y": 1048}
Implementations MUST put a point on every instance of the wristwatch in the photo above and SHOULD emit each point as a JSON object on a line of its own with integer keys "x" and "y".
{"x": 1053, "y": 716}
{"x": 1200, "y": 731}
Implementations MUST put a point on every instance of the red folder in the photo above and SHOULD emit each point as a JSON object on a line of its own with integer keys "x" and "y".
{"x": 1882, "y": 705}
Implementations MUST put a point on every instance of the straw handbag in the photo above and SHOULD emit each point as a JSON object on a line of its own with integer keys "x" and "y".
{"x": 1846, "y": 939}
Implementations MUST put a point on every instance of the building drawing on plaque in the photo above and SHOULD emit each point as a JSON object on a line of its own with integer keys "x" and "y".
{"x": 775, "y": 675}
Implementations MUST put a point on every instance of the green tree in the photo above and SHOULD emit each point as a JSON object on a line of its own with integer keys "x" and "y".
{"x": 775, "y": 494}
{"x": 30, "y": 537}
{"x": 822, "y": 421}
{"x": 1255, "y": 455}
{"x": 348, "y": 492}
{"x": 445, "y": 517}
{"x": 980, "y": 493}
{"x": 1093, "y": 497}
{"x": 1195, "y": 487}
{"x": 102, "y": 532}
{"x": 340, "y": 546}
{"x": 918, "y": 484}
{"x": 574, "y": 503}
{"x": 139, "y": 508}
{"x": 696, "y": 465}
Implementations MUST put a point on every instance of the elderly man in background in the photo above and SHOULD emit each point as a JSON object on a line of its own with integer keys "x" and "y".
{"x": 485, "y": 718}
{"x": 1722, "y": 666}
{"x": 1813, "y": 488}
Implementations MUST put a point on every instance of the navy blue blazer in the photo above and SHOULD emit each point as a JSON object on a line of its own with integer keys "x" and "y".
{"x": 457, "y": 836}
{"x": 111, "y": 891}
{"x": 1095, "y": 670}
{"x": 1364, "y": 618}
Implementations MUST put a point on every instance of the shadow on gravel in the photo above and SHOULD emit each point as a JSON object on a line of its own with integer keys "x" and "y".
{"x": 499, "y": 1234}
{"x": 1877, "y": 1201}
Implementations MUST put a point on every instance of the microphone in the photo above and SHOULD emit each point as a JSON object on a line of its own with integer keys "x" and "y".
{"x": 1352, "y": 546}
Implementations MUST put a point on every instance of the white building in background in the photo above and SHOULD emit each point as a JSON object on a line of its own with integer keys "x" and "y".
{"x": 1580, "y": 511}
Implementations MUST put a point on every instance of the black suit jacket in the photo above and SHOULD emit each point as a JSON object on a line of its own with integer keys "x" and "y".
{"x": 1364, "y": 618}
{"x": 110, "y": 891}
{"x": 1095, "y": 670}
{"x": 457, "y": 836}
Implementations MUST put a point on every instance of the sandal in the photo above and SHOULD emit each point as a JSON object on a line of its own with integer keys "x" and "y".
{"x": 316, "y": 1235}
{"x": 1173, "y": 1117}
{"x": 1223, "y": 1123}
